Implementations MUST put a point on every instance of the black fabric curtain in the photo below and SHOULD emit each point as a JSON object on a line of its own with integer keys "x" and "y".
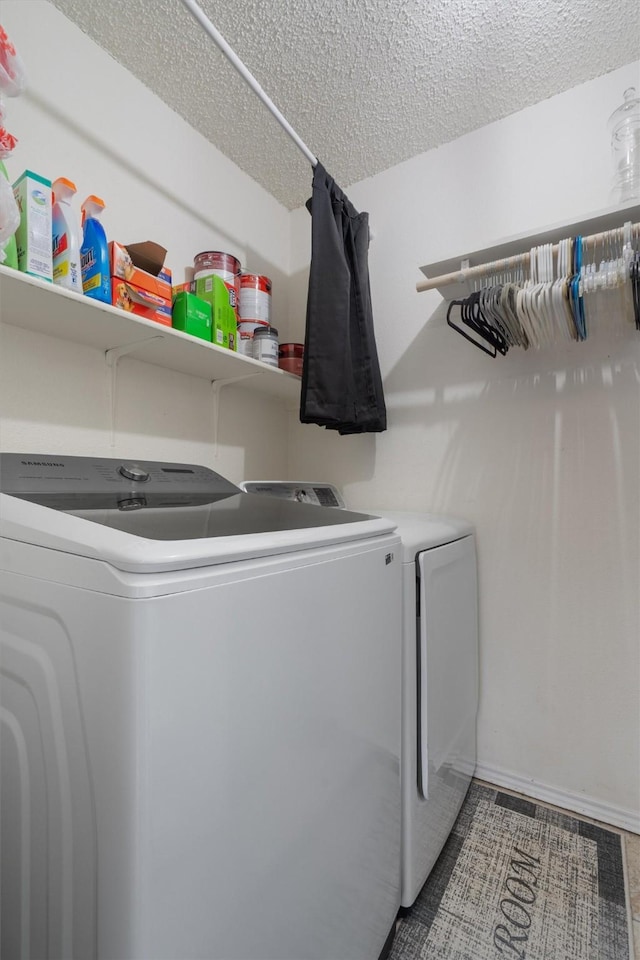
{"x": 341, "y": 382}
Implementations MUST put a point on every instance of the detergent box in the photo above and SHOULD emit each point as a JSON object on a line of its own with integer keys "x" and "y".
{"x": 188, "y": 287}
{"x": 141, "y": 264}
{"x": 33, "y": 236}
{"x": 142, "y": 303}
{"x": 214, "y": 290}
{"x": 192, "y": 315}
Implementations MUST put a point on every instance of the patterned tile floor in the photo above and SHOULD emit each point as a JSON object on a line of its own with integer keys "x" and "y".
{"x": 632, "y": 863}
{"x": 632, "y": 849}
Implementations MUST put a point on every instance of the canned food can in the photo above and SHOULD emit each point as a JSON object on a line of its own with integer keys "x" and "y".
{"x": 223, "y": 265}
{"x": 291, "y": 357}
{"x": 255, "y": 298}
{"x": 265, "y": 345}
{"x": 245, "y": 344}
{"x": 250, "y": 326}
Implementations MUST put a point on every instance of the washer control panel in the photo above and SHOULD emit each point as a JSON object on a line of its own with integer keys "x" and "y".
{"x": 127, "y": 484}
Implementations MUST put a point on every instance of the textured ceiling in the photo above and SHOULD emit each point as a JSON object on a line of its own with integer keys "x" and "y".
{"x": 365, "y": 83}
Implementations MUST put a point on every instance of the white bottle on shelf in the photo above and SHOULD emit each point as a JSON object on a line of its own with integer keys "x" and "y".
{"x": 66, "y": 239}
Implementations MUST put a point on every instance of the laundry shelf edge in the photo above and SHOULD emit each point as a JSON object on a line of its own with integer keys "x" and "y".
{"x": 35, "y": 305}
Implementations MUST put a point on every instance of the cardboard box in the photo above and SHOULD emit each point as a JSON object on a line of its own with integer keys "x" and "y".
{"x": 33, "y": 236}
{"x": 192, "y": 315}
{"x": 140, "y": 302}
{"x": 188, "y": 287}
{"x": 141, "y": 264}
{"x": 213, "y": 290}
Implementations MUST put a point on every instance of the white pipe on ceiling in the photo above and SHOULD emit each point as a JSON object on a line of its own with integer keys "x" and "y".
{"x": 219, "y": 40}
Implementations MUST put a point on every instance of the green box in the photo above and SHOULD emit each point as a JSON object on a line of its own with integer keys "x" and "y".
{"x": 213, "y": 290}
{"x": 192, "y": 315}
{"x": 33, "y": 236}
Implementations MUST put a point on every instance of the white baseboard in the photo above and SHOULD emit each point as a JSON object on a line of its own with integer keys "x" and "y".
{"x": 606, "y": 813}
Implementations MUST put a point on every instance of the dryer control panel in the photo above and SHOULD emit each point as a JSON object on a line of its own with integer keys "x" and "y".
{"x": 304, "y": 491}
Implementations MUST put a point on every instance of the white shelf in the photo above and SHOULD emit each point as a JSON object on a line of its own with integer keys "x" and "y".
{"x": 35, "y": 305}
{"x": 598, "y": 222}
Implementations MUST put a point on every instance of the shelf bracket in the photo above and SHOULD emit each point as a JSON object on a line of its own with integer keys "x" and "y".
{"x": 216, "y": 388}
{"x": 112, "y": 356}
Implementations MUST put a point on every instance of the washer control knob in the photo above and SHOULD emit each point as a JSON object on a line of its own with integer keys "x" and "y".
{"x": 133, "y": 472}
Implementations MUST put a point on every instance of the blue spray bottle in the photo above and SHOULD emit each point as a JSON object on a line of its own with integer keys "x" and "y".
{"x": 94, "y": 253}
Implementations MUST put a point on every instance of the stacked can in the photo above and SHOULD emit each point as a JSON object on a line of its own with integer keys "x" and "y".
{"x": 223, "y": 265}
{"x": 265, "y": 345}
{"x": 254, "y": 309}
{"x": 291, "y": 357}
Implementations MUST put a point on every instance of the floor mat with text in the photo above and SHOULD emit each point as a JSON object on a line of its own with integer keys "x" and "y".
{"x": 517, "y": 880}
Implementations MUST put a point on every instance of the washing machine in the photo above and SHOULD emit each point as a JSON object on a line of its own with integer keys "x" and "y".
{"x": 439, "y": 672}
{"x": 200, "y": 718}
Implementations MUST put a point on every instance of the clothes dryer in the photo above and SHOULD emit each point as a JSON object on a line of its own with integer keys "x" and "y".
{"x": 439, "y": 626}
{"x": 439, "y": 685}
{"x": 200, "y": 718}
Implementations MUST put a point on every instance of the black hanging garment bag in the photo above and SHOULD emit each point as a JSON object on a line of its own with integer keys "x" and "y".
{"x": 341, "y": 382}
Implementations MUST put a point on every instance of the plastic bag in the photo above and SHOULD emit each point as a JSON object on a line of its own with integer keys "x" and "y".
{"x": 12, "y": 83}
{"x": 12, "y": 76}
{"x": 9, "y": 215}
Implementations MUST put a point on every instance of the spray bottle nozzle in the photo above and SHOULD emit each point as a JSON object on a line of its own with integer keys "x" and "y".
{"x": 63, "y": 189}
{"x": 92, "y": 207}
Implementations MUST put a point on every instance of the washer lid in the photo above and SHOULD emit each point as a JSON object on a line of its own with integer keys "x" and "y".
{"x": 151, "y": 516}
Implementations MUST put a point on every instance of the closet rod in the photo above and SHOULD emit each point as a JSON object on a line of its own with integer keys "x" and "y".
{"x": 218, "y": 39}
{"x": 507, "y": 263}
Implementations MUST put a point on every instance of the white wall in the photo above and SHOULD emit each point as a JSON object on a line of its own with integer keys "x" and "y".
{"x": 86, "y": 118}
{"x": 540, "y": 450}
